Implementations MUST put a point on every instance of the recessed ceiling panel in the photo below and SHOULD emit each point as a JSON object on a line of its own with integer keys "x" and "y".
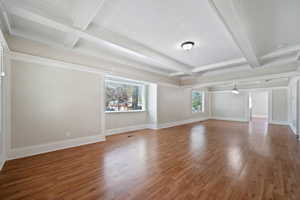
{"x": 57, "y": 9}
{"x": 31, "y": 30}
{"x": 164, "y": 25}
{"x": 271, "y": 24}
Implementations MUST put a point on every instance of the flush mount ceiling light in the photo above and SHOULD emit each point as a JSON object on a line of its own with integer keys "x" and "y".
{"x": 188, "y": 45}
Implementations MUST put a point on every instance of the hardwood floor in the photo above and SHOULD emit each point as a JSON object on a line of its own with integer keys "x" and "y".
{"x": 209, "y": 160}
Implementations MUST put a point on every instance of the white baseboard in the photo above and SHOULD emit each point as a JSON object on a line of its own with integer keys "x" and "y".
{"x": 2, "y": 161}
{"x": 126, "y": 129}
{"x": 152, "y": 126}
{"x": 54, "y": 146}
{"x": 44, "y": 148}
{"x": 259, "y": 116}
{"x": 279, "y": 122}
{"x": 178, "y": 123}
{"x": 230, "y": 119}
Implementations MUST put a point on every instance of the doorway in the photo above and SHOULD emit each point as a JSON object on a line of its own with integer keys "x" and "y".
{"x": 258, "y": 106}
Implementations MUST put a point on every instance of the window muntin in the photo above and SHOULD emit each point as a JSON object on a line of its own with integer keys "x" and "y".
{"x": 124, "y": 96}
{"x": 197, "y": 101}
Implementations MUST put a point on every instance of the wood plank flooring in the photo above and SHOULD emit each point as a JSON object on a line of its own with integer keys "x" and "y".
{"x": 211, "y": 160}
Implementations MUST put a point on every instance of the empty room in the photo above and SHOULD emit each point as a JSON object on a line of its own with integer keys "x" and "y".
{"x": 149, "y": 100}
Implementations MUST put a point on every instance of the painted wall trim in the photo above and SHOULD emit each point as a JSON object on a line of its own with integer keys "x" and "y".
{"x": 53, "y": 146}
{"x": 2, "y": 161}
{"x": 44, "y": 148}
{"x": 286, "y": 123}
{"x": 178, "y": 123}
{"x": 52, "y": 62}
{"x": 24, "y": 57}
{"x": 153, "y": 126}
{"x": 126, "y": 129}
{"x": 260, "y": 116}
{"x": 230, "y": 119}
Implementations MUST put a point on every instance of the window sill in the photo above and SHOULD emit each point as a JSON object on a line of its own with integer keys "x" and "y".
{"x": 132, "y": 111}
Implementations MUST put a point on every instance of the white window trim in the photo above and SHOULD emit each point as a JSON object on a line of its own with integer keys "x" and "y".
{"x": 128, "y": 83}
{"x": 203, "y": 102}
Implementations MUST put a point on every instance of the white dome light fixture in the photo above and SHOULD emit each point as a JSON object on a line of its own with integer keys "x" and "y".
{"x": 188, "y": 45}
{"x": 235, "y": 90}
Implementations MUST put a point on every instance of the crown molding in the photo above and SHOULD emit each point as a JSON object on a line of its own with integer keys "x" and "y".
{"x": 56, "y": 63}
{"x": 71, "y": 66}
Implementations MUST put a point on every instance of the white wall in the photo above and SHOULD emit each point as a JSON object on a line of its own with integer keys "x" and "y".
{"x": 2, "y": 140}
{"x": 4, "y": 107}
{"x": 175, "y": 104}
{"x": 279, "y": 105}
{"x": 293, "y": 104}
{"x": 259, "y": 104}
{"x": 126, "y": 119}
{"x": 51, "y": 104}
{"x": 225, "y": 105}
{"x": 228, "y": 106}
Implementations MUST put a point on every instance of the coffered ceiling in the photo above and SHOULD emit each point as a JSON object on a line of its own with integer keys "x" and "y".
{"x": 148, "y": 33}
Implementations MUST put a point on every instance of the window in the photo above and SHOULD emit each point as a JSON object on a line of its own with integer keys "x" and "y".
{"x": 197, "y": 101}
{"x": 124, "y": 96}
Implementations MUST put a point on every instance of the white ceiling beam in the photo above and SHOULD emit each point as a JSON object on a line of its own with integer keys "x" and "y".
{"x": 7, "y": 22}
{"x": 288, "y": 59}
{"x": 228, "y": 63}
{"x": 85, "y": 12}
{"x": 135, "y": 46}
{"x": 256, "y": 78}
{"x": 82, "y": 51}
{"x": 281, "y": 53}
{"x": 177, "y": 74}
{"x": 230, "y": 17}
{"x": 159, "y": 61}
{"x": 83, "y": 15}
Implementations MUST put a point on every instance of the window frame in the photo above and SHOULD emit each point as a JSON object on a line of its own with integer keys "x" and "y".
{"x": 143, "y": 95}
{"x": 203, "y": 101}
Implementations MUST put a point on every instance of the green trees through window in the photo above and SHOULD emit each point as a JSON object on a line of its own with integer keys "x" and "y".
{"x": 122, "y": 97}
{"x": 197, "y": 101}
